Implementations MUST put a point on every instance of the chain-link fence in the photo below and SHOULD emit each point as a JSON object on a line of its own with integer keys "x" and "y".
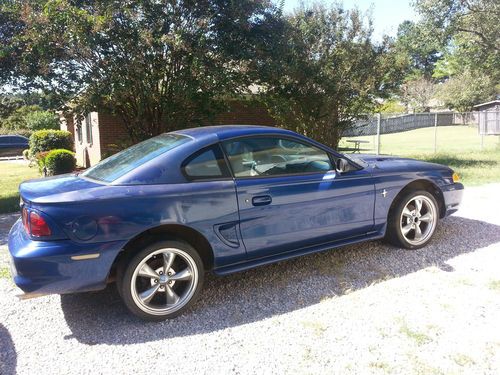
{"x": 418, "y": 133}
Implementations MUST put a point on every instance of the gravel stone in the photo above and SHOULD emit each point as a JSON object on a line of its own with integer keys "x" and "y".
{"x": 366, "y": 308}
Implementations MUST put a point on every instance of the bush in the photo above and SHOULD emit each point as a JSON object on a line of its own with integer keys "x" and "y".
{"x": 26, "y": 154}
{"x": 59, "y": 161}
{"x": 46, "y": 140}
{"x": 39, "y": 159}
{"x": 39, "y": 120}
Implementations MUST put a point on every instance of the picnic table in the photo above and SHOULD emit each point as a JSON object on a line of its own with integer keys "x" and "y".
{"x": 357, "y": 145}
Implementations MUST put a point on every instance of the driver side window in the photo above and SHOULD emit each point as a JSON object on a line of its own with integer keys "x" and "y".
{"x": 274, "y": 156}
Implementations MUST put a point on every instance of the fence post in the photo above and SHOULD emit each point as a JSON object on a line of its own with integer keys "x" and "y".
{"x": 378, "y": 133}
{"x": 435, "y": 131}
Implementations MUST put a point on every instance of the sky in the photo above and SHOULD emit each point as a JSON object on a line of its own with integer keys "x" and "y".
{"x": 387, "y": 14}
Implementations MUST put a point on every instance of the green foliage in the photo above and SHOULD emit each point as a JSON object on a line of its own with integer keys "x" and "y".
{"x": 476, "y": 18}
{"x": 157, "y": 65}
{"x": 391, "y": 106}
{"x": 26, "y": 154}
{"x": 327, "y": 72}
{"x": 421, "y": 49}
{"x": 59, "y": 161}
{"x": 471, "y": 27}
{"x": 46, "y": 140}
{"x": 8, "y": 104}
{"x": 462, "y": 91}
{"x": 447, "y": 66}
{"x": 39, "y": 160}
{"x": 17, "y": 119}
{"x": 39, "y": 120}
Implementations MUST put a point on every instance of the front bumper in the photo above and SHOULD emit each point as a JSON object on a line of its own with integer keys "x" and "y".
{"x": 452, "y": 195}
{"x": 46, "y": 267}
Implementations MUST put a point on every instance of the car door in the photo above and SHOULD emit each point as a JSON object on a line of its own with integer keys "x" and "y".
{"x": 290, "y": 197}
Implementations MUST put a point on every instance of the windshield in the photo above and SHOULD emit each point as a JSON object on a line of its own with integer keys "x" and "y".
{"x": 123, "y": 162}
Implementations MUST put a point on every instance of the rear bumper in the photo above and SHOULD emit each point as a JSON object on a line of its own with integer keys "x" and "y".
{"x": 46, "y": 267}
{"x": 452, "y": 197}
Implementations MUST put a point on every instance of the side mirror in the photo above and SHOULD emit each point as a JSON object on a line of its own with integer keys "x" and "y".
{"x": 342, "y": 165}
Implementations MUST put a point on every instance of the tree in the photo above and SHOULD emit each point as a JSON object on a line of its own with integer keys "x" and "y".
{"x": 328, "y": 74}
{"x": 17, "y": 119}
{"x": 463, "y": 91}
{"x": 471, "y": 29}
{"x": 391, "y": 106}
{"x": 158, "y": 65}
{"x": 476, "y": 18}
{"x": 417, "y": 93}
{"x": 8, "y": 104}
{"x": 420, "y": 47}
{"x": 39, "y": 120}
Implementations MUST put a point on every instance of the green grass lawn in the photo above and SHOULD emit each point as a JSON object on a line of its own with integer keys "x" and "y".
{"x": 458, "y": 147}
{"x": 474, "y": 168}
{"x": 11, "y": 175}
{"x": 450, "y": 139}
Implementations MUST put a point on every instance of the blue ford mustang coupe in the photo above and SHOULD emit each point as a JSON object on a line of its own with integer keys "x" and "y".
{"x": 158, "y": 215}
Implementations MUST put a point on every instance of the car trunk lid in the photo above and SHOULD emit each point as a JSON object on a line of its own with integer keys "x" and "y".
{"x": 63, "y": 188}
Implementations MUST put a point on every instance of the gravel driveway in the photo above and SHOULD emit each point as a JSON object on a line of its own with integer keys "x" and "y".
{"x": 367, "y": 308}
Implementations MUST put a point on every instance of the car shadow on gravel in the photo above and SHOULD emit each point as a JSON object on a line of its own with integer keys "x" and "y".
{"x": 6, "y": 222}
{"x": 8, "y": 357}
{"x": 100, "y": 317}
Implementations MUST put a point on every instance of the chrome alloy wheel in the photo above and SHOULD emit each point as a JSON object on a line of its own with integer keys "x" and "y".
{"x": 418, "y": 220}
{"x": 164, "y": 281}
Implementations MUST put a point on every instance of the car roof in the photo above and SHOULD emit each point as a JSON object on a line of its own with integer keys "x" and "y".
{"x": 230, "y": 131}
{"x": 12, "y": 135}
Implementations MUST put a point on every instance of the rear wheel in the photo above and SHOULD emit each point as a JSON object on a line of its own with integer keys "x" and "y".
{"x": 413, "y": 221}
{"x": 162, "y": 280}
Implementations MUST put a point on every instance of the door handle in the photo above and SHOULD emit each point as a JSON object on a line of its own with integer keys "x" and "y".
{"x": 261, "y": 200}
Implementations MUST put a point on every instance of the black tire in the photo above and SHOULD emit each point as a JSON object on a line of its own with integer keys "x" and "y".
{"x": 129, "y": 268}
{"x": 394, "y": 233}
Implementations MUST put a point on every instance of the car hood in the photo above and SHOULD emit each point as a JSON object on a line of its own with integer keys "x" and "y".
{"x": 397, "y": 163}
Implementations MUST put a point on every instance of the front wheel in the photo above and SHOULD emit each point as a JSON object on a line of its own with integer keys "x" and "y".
{"x": 162, "y": 280}
{"x": 412, "y": 222}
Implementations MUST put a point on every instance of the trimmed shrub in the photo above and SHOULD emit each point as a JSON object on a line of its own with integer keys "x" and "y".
{"x": 46, "y": 140}
{"x": 59, "y": 161}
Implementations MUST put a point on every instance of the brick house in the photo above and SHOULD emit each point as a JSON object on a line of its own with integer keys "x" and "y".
{"x": 98, "y": 131}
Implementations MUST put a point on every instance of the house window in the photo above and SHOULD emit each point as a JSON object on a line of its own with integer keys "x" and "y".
{"x": 79, "y": 131}
{"x": 88, "y": 128}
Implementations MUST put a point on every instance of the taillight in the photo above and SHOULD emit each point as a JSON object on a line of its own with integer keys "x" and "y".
{"x": 38, "y": 226}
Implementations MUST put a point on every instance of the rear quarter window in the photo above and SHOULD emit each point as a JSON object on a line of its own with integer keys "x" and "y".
{"x": 206, "y": 164}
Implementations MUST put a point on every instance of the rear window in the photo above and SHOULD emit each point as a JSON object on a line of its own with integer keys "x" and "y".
{"x": 118, "y": 165}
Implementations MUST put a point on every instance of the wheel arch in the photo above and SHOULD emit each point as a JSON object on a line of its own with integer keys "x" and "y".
{"x": 177, "y": 232}
{"x": 422, "y": 184}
